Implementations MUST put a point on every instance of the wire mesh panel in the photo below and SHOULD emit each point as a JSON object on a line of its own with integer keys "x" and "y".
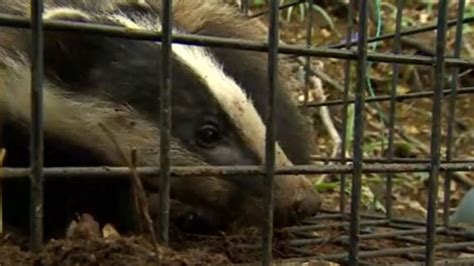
{"x": 343, "y": 233}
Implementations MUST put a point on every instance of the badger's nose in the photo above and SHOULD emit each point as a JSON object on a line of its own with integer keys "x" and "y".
{"x": 307, "y": 206}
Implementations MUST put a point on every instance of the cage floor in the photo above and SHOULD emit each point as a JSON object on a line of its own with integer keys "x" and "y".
{"x": 322, "y": 240}
{"x": 396, "y": 242}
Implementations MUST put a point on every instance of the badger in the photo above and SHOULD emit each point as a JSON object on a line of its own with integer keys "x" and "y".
{"x": 219, "y": 101}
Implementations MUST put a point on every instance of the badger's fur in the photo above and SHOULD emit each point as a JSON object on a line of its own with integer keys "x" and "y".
{"x": 93, "y": 80}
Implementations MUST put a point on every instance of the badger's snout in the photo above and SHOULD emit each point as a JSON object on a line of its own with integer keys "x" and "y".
{"x": 307, "y": 206}
{"x": 296, "y": 199}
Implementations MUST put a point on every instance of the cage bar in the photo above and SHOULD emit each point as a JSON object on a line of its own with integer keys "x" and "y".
{"x": 393, "y": 160}
{"x": 345, "y": 108}
{"x": 392, "y": 112}
{"x": 280, "y": 8}
{"x": 244, "y": 6}
{"x": 270, "y": 135}
{"x": 399, "y": 98}
{"x": 409, "y": 31}
{"x": 244, "y": 171}
{"x": 165, "y": 121}
{"x": 436, "y": 131}
{"x": 36, "y": 129}
{"x": 452, "y": 111}
{"x": 200, "y": 40}
{"x": 309, "y": 43}
{"x": 358, "y": 138}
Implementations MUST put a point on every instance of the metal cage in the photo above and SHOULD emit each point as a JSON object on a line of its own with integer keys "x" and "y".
{"x": 419, "y": 237}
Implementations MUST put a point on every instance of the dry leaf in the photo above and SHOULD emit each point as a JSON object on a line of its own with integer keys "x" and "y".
{"x": 424, "y": 17}
{"x": 85, "y": 227}
{"x": 108, "y": 231}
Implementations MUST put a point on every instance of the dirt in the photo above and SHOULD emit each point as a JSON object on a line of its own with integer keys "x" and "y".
{"x": 86, "y": 244}
{"x": 99, "y": 251}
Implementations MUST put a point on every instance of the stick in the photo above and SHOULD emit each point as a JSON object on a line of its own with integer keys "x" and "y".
{"x": 325, "y": 115}
{"x": 133, "y": 155}
{"x": 137, "y": 184}
{"x": 3, "y": 152}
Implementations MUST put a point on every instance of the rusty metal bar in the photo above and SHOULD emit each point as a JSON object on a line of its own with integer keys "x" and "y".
{"x": 392, "y": 111}
{"x": 393, "y": 160}
{"x": 390, "y": 234}
{"x": 456, "y": 261}
{"x": 332, "y": 224}
{"x": 36, "y": 128}
{"x": 399, "y": 98}
{"x": 358, "y": 141}
{"x": 234, "y": 43}
{"x": 245, "y": 6}
{"x": 395, "y": 251}
{"x": 452, "y": 111}
{"x": 310, "y": 260}
{"x": 436, "y": 131}
{"x": 282, "y": 7}
{"x": 196, "y": 171}
{"x": 345, "y": 109}
{"x": 400, "y": 223}
{"x": 165, "y": 122}
{"x": 407, "y": 32}
{"x": 309, "y": 42}
{"x": 273, "y": 40}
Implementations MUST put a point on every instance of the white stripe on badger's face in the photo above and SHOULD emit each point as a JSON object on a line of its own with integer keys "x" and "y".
{"x": 230, "y": 96}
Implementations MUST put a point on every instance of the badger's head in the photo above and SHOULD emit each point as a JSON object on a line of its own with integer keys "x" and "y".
{"x": 212, "y": 114}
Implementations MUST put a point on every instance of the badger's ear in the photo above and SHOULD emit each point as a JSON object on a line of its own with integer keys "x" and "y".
{"x": 70, "y": 55}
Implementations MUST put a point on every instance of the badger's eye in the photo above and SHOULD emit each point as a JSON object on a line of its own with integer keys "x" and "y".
{"x": 208, "y": 135}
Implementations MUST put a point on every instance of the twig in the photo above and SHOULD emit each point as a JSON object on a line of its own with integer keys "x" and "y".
{"x": 325, "y": 115}
{"x": 321, "y": 75}
{"x": 316, "y": 76}
{"x": 3, "y": 152}
{"x": 141, "y": 197}
{"x": 318, "y": 95}
{"x": 135, "y": 191}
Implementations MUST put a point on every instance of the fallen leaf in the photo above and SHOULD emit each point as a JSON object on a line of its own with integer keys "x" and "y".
{"x": 108, "y": 231}
{"x": 85, "y": 227}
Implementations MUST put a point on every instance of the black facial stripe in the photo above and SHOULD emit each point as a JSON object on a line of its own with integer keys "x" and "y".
{"x": 127, "y": 71}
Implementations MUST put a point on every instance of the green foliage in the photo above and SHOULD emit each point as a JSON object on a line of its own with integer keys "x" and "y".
{"x": 468, "y": 12}
{"x": 257, "y": 3}
{"x": 326, "y": 186}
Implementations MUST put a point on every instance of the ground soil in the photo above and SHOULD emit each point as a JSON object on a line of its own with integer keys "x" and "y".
{"x": 88, "y": 244}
